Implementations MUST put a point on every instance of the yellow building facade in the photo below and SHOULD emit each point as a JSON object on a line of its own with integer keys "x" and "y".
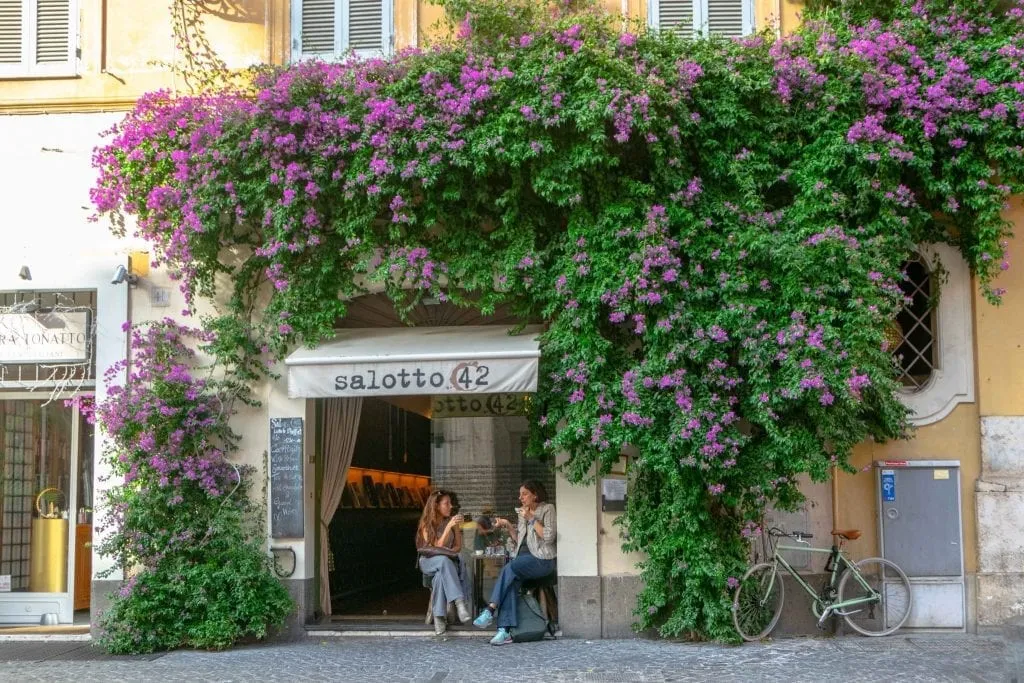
{"x": 69, "y": 67}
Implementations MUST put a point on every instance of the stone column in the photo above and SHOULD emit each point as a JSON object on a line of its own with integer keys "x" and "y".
{"x": 1000, "y": 509}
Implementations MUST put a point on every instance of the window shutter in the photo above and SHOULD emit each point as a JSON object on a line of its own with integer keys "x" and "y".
{"x": 365, "y": 25}
{"x": 10, "y": 31}
{"x": 676, "y": 15}
{"x": 53, "y": 33}
{"x": 725, "y": 17}
{"x": 318, "y": 20}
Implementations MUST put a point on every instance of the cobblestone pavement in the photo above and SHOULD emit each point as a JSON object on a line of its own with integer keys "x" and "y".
{"x": 379, "y": 660}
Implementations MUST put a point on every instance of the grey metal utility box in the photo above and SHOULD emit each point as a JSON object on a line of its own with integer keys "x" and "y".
{"x": 920, "y": 529}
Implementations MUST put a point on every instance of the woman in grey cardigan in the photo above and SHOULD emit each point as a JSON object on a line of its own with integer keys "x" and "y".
{"x": 533, "y": 557}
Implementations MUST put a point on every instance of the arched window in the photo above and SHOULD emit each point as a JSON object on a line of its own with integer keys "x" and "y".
{"x": 931, "y": 336}
{"x": 914, "y": 328}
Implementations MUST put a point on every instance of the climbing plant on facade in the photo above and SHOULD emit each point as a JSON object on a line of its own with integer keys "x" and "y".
{"x": 179, "y": 520}
{"x": 712, "y": 229}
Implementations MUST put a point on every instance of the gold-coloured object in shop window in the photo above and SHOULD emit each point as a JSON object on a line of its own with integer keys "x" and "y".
{"x": 48, "y": 561}
{"x": 50, "y": 503}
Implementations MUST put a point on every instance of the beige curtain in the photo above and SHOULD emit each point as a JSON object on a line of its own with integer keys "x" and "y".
{"x": 341, "y": 423}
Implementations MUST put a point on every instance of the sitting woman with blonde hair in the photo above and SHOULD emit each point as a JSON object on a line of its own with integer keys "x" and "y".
{"x": 438, "y": 542}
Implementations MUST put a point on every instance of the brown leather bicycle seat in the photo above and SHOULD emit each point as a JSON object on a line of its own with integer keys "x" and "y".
{"x": 848, "y": 534}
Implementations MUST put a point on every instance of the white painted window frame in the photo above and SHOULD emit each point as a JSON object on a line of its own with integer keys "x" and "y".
{"x": 341, "y": 39}
{"x": 700, "y": 13}
{"x": 952, "y": 379}
{"x": 28, "y": 68}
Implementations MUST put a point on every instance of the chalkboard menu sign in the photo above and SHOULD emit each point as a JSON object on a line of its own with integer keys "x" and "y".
{"x": 286, "y": 477}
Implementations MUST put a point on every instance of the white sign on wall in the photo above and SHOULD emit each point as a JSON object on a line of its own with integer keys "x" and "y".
{"x": 44, "y": 337}
{"x": 414, "y": 378}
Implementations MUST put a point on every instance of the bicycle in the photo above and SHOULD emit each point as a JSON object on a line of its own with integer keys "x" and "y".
{"x": 873, "y": 596}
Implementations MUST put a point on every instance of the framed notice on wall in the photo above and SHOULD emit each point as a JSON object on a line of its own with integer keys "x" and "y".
{"x": 286, "y": 510}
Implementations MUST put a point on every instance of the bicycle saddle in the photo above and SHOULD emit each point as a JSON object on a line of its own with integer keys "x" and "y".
{"x": 848, "y": 534}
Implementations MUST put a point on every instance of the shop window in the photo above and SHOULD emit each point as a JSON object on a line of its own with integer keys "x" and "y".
{"x": 35, "y": 460}
{"x": 913, "y": 332}
{"x": 330, "y": 29}
{"x": 931, "y": 336}
{"x": 702, "y": 17}
{"x": 38, "y": 37}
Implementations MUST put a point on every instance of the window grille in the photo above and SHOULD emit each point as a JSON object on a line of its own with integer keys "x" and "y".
{"x": 914, "y": 327}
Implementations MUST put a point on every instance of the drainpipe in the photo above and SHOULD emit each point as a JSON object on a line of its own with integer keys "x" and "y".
{"x": 835, "y": 497}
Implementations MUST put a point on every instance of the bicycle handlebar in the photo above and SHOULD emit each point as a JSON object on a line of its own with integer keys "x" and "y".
{"x": 775, "y": 531}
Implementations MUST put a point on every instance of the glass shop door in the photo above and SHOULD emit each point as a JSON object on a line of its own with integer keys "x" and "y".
{"x": 41, "y": 463}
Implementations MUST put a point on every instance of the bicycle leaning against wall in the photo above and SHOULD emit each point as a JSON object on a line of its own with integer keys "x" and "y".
{"x": 873, "y": 595}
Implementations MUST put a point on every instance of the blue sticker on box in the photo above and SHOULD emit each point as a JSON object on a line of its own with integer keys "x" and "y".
{"x": 888, "y": 486}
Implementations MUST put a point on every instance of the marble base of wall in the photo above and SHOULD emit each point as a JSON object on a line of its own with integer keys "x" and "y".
{"x": 1000, "y": 598}
{"x": 999, "y": 502}
{"x": 618, "y": 600}
{"x": 579, "y": 606}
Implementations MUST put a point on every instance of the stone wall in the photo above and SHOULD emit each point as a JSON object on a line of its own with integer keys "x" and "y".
{"x": 1000, "y": 509}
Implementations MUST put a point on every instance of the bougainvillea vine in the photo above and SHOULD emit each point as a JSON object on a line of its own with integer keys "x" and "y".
{"x": 178, "y": 521}
{"x": 713, "y": 231}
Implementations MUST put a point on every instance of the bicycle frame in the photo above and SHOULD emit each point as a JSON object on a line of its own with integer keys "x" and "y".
{"x": 823, "y": 609}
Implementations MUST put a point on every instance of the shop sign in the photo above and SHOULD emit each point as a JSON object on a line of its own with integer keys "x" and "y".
{"x": 50, "y": 337}
{"x": 414, "y": 378}
{"x": 489, "y": 405}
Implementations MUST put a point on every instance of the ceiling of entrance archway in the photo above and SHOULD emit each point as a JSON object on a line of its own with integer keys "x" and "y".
{"x": 376, "y": 310}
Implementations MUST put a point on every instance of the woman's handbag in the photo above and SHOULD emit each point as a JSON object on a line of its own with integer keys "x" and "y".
{"x": 434, "y": 551}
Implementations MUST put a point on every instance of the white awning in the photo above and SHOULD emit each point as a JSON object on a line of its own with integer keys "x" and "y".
{"x": 405, "y": 361}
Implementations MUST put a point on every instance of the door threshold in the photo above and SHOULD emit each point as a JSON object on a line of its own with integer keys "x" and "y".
{"x": 396, "y": 628}
{"x": 395, "y": 633}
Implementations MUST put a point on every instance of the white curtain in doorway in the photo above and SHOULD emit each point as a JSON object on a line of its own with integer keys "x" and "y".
{"x": 341, "y": 424}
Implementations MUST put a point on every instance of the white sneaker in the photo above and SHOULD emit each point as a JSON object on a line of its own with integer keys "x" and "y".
{"x": 463, "y": 610}
{"x": 440, "y": 626}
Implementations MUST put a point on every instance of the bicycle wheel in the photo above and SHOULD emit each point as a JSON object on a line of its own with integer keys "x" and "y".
{"x": 892, "y": 607}
{"x": 757, "y": 605}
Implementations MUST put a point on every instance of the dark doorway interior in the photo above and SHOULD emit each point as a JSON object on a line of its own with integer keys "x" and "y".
{"x": 372, "y": 533}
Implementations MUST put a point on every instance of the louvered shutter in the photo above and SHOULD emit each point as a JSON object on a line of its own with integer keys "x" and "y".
{"x": 11, "y": 24}
{"x": 38, "y": 37}
{"x": 725, "y": 17}
{"x": 365, "y": 25}
{"x": 675, "y": 15}
{"x": 318, "y": 27}
{"x": 53, "y": 34}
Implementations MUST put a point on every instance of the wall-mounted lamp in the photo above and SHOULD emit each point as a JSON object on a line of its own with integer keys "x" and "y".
{"x": 24, "y": 273}
{"x": 121, "y": 274}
